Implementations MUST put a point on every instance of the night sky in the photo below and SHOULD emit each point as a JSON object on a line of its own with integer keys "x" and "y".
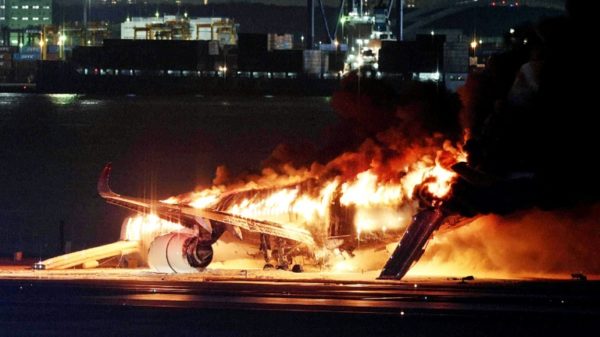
{"x": 421, "y": 3}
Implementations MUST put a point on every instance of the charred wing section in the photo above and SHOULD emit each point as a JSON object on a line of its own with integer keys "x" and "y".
{"x": 412, "y": 244}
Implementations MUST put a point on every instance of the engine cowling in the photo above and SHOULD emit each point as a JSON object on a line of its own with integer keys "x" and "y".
{"x": 179, "y": 253}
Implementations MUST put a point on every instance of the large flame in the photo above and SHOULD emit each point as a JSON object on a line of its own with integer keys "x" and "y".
{"x": 146, "y": 227}
{"x": 380, "y": 202}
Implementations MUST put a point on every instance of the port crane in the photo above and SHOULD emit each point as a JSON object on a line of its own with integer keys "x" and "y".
{"x": 359, "y": 28}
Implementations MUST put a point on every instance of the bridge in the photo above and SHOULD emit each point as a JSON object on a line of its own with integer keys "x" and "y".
{"x": 423, "y": 17}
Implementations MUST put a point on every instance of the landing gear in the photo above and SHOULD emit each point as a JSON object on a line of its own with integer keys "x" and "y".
{"x": 265, "y": 248}
{"x": 281, "y": 254}
{"x": 283, "y": 259}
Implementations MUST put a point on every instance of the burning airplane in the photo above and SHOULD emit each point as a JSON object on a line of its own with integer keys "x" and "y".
{"x": 313, "y": 217}
{"x": 399, "y": 176}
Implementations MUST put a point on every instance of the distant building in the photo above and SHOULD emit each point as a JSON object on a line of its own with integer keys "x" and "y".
{"x": 23, "y": 14}
{"x": 2, "y": 12}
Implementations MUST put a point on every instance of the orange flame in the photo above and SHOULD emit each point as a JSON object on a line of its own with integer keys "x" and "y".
{"x": 380, "y": 205}
{"x": 147, "y": 227}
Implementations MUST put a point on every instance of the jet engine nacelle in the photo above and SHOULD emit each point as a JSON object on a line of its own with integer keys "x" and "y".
{"x": 179, "y": 253}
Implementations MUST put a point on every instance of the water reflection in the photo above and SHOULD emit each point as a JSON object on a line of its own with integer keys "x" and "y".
{"x": 9, "y": 98}
{"x": 89, "y": 102}
{"x": 62, "y": 99}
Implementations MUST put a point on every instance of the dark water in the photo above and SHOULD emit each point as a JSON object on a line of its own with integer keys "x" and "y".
{"x": 52, "y": 148}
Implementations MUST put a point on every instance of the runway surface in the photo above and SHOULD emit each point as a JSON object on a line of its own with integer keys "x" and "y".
{"x": 234, "y": 304}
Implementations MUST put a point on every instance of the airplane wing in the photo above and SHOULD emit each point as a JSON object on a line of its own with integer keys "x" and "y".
{"x": 188, "y": 216}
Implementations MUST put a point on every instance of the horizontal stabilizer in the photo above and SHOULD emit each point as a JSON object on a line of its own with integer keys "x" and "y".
{"x": 79, "y": 258}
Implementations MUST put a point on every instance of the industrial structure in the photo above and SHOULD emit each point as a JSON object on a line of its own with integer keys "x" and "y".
{"x": 21, "y": 38}
{"x": 15, "y": 14}
{"x": 20, "y": 19}
{"x": 376, "y": 46}
{"x": 374, "y": 38}
{"x": 173, "y": 27}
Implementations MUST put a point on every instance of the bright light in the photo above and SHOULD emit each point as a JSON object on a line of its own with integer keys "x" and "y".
{"x": 41, "y": 43}
{"x": 336, "y": 43}
{"x": 432, "y": 33}
{"x": 359, "y": 60}
{"x": 512, "y": 31}
{"x": 474, "y": 44}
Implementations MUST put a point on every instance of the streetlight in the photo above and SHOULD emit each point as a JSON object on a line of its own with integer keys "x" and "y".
{"x": 41, "y": 43}
{"x": 473, "y": 45}
{"x": 473, "y": 60}
{"x": 61, "y": 43}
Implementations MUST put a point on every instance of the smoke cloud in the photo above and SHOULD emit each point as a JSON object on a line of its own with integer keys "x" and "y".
{"x": 530, "y": 243}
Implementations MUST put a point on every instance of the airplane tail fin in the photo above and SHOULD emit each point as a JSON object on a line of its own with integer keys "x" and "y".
{"x": 103, "y": 182}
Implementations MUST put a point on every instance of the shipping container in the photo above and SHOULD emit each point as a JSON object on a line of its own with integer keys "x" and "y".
{"x": 52, "y": 48}
{"x": 213, "y": 48}
{"x": 456, "y": 57}
{"x": 30, "y": 50}
{"x": 8, "y": 49}
{"x": 280, "y": 41}
{"x": 26, "y": 56}
{"x": 315, "y": 62}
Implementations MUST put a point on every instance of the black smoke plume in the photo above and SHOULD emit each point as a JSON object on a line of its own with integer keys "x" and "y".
{"x": 533, "y": 139}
